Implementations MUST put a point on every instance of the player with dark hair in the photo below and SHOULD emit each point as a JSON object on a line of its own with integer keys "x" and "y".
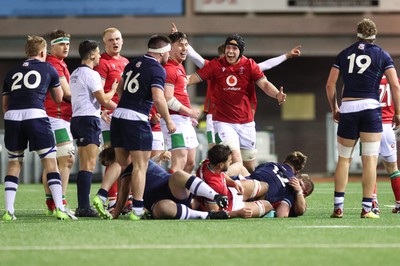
{"x": 245, "y": 197}
{"x": 87, "y": 97}
{"x": 60, "y": 115}
{"x": 361, "y": 67}
{"x": 142, "y": 83}
{"x": 26, "y": 121}
{"x": 233, "y": 79}
{"x": 166, "y": 196}
{"x": 182, "y": 144}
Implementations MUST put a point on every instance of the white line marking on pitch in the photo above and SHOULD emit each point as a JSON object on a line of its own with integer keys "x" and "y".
{"x": 189, "y": 246}
{"x": 345, "y": 226}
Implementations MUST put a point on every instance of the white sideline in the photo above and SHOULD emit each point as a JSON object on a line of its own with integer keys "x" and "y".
{"x": 190, "y": 246}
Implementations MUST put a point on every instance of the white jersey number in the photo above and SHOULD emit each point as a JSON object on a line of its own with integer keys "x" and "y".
{"x": 132, "y": 85}
{"x": 362, "y": 61}
{"x": 16, "y": 85}
{"x": 284, "y": 180}
{"x": 385, "y": 89}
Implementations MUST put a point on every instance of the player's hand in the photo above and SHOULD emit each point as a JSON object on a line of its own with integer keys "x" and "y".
{"x": 396, "y": 122}
{"x": 295, "y": 52}
{"x": 174, "y": 28}
{"x": 239, "y": 187}
{"x": 194, "y": 113}
{"x": 105, "y": 116}
{"x": 336, "y": 116}
{"x": 165, "y": 156}
{"x": 295, "y": 184}
{"x": 245, "y": 213}
{"x": 194, "y": 122}
{"x": 281, "y": 96}
{"x": 171, "y": 127}
{"x": 155, "y": 119}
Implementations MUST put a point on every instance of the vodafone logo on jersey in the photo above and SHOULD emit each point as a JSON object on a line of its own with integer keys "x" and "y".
{"x": 231, "y": 81}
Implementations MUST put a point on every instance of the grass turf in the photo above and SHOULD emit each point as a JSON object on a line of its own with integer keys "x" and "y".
{"x": 314, "y": 239}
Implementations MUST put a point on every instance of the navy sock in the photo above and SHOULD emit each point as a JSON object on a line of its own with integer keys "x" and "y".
{"x": 84, "y": 182}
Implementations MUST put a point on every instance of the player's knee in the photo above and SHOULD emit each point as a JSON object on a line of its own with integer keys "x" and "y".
{"x": 164, "y": 209}
{"x": 66, "y": 150}
{"x": 345, "y": 151}
{"x": 248, "y": 155}
{"x": 370, "y": 148}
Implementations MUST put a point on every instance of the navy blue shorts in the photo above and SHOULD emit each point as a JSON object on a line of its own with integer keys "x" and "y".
{"x": 131, "y": 135}
{"x": 36, "y": 131}
{"x": 86, "y": 130}
{"x": 351, "y": 124}
{"x": 157, "y": 186}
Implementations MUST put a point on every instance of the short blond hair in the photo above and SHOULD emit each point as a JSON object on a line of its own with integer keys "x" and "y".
{"x": 110, "y": 30}
{"x": 367, "y": 30}
{"x": 34, "y": 44}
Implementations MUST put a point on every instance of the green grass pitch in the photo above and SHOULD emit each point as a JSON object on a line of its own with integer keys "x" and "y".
{"x": 314, "y": 239}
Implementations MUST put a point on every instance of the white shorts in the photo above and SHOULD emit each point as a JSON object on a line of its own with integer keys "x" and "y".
{"x": 237, "y": 200}
{"x": 158, "y": 141}
{"x": 61, "y": 130}
{"x": 239, "y": 136}
{"x": 184, "y": 137}
{"x": 388, "y": 144}
{"x": 210, "y": 129}
{"x": 105, "y": 131}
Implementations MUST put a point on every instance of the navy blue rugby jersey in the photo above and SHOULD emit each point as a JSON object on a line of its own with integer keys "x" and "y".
{"x": 140, "y": 75}
{"x": 26, "y": 85}
{"x": 277, "y": 176}
{"x": 361, "y": 66}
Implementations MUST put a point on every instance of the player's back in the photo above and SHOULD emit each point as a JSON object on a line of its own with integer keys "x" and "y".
{"x": 140, "y": 76}
{"x": 27, "y": 84}
{"x": 362, "y": 66}
{"x": 277, "y": 176}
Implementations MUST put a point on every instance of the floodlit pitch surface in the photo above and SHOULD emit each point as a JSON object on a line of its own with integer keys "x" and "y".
{"x": 314, "y": 239}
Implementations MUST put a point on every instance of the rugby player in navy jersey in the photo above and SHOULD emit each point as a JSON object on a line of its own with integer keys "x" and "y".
{"x": 287, "y": 188}
{"x": 169, "y": 196}
{"x": 142, "y": 83}
{"x": 25, "y": 120}
{"x": 361, "y": 67}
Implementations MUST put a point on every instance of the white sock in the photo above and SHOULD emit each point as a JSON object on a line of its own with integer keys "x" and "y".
{"x": 185, "y": 213}
{"x": 54, "y": 182}
{"x": 199, "y": 188}
{"x": 10, "y": 191}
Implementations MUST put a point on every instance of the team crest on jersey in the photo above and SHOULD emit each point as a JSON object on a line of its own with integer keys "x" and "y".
{"x": 223, "y": 69}
{"x": 138, "y": 64}
{"x": 231, "y": 80}
{"x": 113, "y": 66}
{"x": 361, "y": 46}
{"x": 241, "y": 69}
{"x": 25, "y": 64}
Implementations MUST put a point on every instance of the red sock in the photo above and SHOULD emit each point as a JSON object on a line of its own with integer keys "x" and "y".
{"x": 50, "y": 204}
{"x": 395, "y": 182}
{"x": 112, "y": 193}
